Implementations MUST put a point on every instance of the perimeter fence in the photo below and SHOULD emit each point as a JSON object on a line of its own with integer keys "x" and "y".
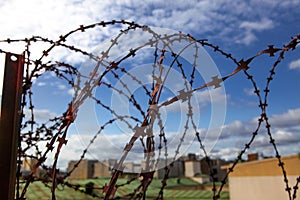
{"x": 110, "y": 70}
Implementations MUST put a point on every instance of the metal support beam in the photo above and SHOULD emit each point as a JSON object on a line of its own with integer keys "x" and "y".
{"x": 10, "y": 123}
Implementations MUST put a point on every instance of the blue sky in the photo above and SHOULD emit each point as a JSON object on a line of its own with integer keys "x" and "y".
{"x": 241, "y": 28}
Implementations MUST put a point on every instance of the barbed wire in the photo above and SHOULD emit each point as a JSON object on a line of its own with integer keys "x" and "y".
{"x": 165, "y": 58}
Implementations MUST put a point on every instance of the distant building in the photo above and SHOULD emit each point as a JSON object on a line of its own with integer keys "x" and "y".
{"x": 189, "y": 156}
{"x": 263, "y": 179}
{"x": 142, "y": 167}
{"x": 185, "y": 166}
{"x": 91, "y": 169}
{"x": 252, "y": 157}
{"x": 215, "y": 166}
{"x": 28, "y": 166}
{"x": 84, "y": 170}
{"x": 104, "y": 168}
{"x": 177, "y": 169}
{"x": 192, "y": 168}
{"x": 101, "y": 169}
{"x": 131, "y": 167}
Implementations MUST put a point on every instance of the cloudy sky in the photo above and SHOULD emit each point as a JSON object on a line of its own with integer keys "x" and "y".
{"x": 241, "y": 28}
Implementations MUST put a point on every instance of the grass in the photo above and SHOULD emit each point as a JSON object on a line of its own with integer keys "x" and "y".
{"x": 173, "y": 190}
{"x": 38, "y": 191}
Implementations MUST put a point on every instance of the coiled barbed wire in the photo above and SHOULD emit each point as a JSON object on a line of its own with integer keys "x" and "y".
{"x": 55, "y": 131}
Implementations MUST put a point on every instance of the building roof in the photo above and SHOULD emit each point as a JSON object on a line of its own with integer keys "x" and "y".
{"x": 267, "y": 167}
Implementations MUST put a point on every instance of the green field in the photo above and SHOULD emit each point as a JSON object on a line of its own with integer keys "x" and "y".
{"x": 183, "y": 190}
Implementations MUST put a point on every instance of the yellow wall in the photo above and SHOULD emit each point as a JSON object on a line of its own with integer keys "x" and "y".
{"x": 260, "y": 188}
{"x": 263, "y": 179}
{"x": 268, "y": 167}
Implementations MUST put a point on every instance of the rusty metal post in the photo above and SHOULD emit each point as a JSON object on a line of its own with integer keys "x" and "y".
{"x": 10, "y": 123}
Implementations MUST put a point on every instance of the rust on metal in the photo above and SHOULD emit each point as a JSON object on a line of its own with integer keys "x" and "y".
{"x": 10, "y": 123}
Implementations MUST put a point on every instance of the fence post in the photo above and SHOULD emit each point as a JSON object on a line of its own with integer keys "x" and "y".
{"x": 10, "y": 123}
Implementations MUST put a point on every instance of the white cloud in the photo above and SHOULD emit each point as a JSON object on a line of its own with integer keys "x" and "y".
{"x": 250, "y": 27}
{"x": 249, "y": 91}
{"x": 283, "y": 137}
{"x": 284, "y": 128}
{"x": 295, "y": 64}
{"x": 280, "y": 137}
{"x": 54, "y": 18}
{"x": 185, "y": 16}
{"x": 40, "y": 114}
{"x": 200, "y": 99}
{"x": 61, "y": 86}
{"x": 231, "y": 131}
{"x": 47, "y": 18}
{"x": 212, "y": 96}
{"x": 235, "y": 128}
{"x": 108, "y": 146}
{"x": 247, "y": 39}
{"x": 71, "y": 91}
{"x": 289, "y": 119}
{"x": 226, "y": 153}
{"x": 261, "y": 25}
{"x": 229, "y": 143}
{"x": 41, "y": 84}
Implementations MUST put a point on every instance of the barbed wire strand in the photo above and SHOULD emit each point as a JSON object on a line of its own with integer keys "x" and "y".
{"x": 58, "y": 127}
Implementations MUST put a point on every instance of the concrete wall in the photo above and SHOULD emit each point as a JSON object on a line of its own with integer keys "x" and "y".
{"x": 101, "y": 169}
{"x": 192, "y": 168}
{"x": 259, "y": 187}
{"x": 80, "y": 171}
{"x": 84, "y": 170}
{"x": 263, "y": 179}
{"x": 176, "y": 171}
{"x": 215, "y": 167}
